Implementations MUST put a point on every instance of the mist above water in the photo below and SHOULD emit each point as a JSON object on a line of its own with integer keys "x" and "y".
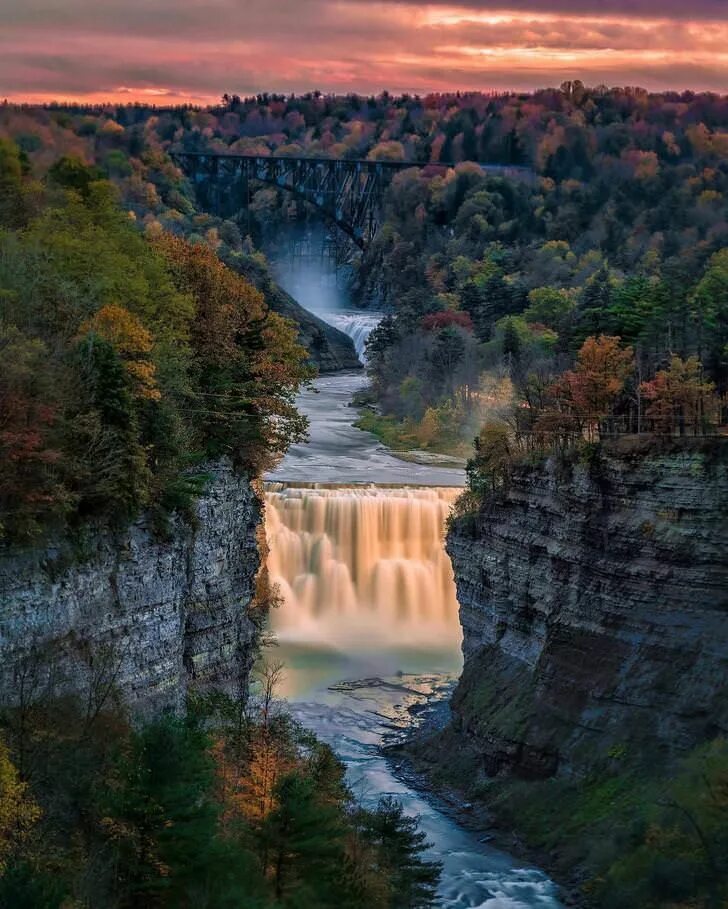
{"x": 312, "y": 282}
{"x": 369, "y": 619}
{"x": 312, "y": 285}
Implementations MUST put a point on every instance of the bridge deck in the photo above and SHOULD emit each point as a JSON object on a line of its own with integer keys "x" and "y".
{"x": 366, "y": 162}
{"x": 348, "y": 191}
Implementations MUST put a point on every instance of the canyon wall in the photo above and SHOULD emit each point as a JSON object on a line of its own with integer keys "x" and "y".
{"x": 594, "y": 606}
{"x": 135, "y": 617}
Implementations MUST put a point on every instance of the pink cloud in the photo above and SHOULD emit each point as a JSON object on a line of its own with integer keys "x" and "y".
{"x": 184, "y": 50}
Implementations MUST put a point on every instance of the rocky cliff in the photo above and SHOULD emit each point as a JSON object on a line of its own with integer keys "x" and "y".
{"x": 143, "y": 619}
{"x": 328, "y": 347}
{"x": 594, "y": 605}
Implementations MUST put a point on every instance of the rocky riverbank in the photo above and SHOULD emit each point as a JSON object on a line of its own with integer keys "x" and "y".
{"x": 593, "y": 597}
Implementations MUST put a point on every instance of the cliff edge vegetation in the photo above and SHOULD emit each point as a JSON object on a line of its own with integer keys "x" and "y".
{"x": 144, "y": 384}
{"x": 125, "y": 361}
{"x": 591, "y": 716}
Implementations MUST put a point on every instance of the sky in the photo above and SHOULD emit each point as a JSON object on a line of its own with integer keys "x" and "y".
{"x": 194, "y": 50}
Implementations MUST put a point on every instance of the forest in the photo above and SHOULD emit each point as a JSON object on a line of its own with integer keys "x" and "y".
{"x": 129, "y": 360}
{"x": 125, "y": 361}
{"x": 232, "y": 806}
{"x": 492, "y": 285}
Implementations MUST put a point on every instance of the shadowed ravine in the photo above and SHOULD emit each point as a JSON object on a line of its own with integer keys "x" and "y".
{"x": 368, "y": 626}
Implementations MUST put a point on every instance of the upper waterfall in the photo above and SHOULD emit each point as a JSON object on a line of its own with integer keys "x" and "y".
{"x": 358, "y": 325}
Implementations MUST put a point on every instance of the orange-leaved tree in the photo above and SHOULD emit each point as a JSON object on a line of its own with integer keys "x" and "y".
{"x": 591, "y": 390}
{"x": 680, "y": 397}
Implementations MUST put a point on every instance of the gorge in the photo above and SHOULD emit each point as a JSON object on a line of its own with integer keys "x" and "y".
{"x": 368, "y": 625}
{"x": 377, "y": 570}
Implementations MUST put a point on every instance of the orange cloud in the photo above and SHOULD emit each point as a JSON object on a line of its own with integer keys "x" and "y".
{"x": 189, "y": 50}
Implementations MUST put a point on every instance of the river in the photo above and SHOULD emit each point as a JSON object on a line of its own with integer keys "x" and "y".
{"x": 369, "y": 626}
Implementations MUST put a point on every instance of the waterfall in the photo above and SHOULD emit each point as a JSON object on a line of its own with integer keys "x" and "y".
{"x": 362, "y": 566}
{"x": 358, "y": 325}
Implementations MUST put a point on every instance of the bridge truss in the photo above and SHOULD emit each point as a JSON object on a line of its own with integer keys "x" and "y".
{"x": 348, "y": 193}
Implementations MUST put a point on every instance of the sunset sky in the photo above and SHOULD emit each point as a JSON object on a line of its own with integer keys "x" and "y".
{"x": 193, "y": 50}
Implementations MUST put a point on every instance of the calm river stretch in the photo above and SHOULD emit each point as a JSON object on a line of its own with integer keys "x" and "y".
{"x": 369, "y": 621}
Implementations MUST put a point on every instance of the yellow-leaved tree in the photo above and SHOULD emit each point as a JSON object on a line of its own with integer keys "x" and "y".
{"x": 132, "y": 342}
{"x": 18, "y": 811}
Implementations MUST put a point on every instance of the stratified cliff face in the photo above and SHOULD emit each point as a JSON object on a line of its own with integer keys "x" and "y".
{"x": 145, "y": 619}
{"x": 594, "y": 605}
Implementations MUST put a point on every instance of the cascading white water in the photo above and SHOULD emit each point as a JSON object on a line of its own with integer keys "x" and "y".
{"x": 358, "y": 325}
{"x": 362, "y": 566}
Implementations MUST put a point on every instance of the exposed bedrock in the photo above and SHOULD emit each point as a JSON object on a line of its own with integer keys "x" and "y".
{"x": 144, "y": 619}
{"x": 594, "y": 605}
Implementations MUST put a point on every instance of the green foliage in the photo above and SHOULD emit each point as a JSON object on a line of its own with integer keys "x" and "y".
{"x": 549, "y": 306}
{"x": 116, "y": 476}
{"x": 168, "y": 815}
{"x": 680, "y": 854}
{"x": 304, "y": 842}
{"x": 121, "y": 369}
{"x": 640, "y": 833}
{"x": 490, "y": 468}
{"x": 161, "y": 818}
{"x": 400, "y": 843}
{"x": 387, "y": 429}
{"x": 710, "y": 311}
{"x": 16, "y": 191}
{"x": 25, "y": 887}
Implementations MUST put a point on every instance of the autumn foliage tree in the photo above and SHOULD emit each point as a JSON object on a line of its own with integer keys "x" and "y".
{"x": 248, "y": 365}
{"x": 587, "y": 394}
{"x": 679, "y": 398}
{"x": 492, "y": 462}
{"x": 125, "y": 361}
{"x": 19, "y": 813}
{"x": 132, "y": 342}
{"x": 29, "y": 485}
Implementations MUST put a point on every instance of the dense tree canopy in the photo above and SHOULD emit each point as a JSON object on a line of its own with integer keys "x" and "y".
{"x": 232, "y": 807}
{"x": 125, "y": 360}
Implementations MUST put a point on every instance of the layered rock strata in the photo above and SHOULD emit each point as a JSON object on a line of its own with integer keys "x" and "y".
{"x": 135, "y": 617}
{"x": 594, "y": 606}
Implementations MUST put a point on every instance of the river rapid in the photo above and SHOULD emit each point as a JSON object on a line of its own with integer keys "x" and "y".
{"x": 368, "y": 628}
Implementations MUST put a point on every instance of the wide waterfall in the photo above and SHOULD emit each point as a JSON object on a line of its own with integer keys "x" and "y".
{"x": 362, "y": 566}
